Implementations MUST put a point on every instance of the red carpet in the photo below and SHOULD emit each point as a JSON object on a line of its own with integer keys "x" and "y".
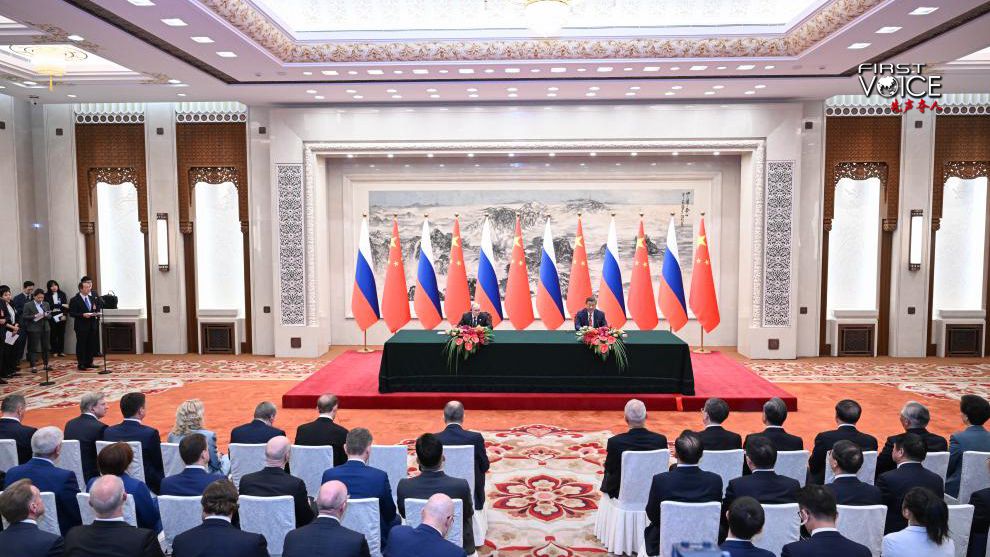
{"x": 354, "y": 378}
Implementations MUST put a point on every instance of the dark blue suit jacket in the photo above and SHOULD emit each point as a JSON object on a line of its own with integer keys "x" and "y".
{"x": 851, "y": 491}
{"x": 151, "y": 448}
{"x": 766, "y": 486}
{"x": 739, "y": 548}
{"x": 218, "y": 538}
{"x": 896, "y": 483}
{"x": 87, "y": 430}
{"x": 825, "y": 544}
{"x": 255, "y": 432}
{"x": 685, "y": 484}
{"x": 323, "y": 533}
{"x": 365, "y": 481}
{"x": 191, "y": 482}
{"x": 455, "y": 434}
{"x": 46, "y": 477}
{"x": 885, "y": 460}
{"x": 422, "y": 541}
{"x": 981, "y": 522}
{"x": 26, "y": 540}
{"x": 21, "y": 434}
{"x": 973, "y": 438}
{"x": 824, "y": 442}
{"x": 581, "y": 319}
{"x": 145, "y": 506}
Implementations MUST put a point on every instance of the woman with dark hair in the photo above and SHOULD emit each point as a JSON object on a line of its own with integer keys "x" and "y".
{"x": 114, "y": 460}
{"x": 927, "y": 533}
{"x": 35, "y": 315}
{"x": 59, "y": 304}
{"x": 8, "y": 326}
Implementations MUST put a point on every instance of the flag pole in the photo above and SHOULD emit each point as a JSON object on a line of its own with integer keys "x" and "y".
{"x": 670, "y": 326}
{"x": 364, "y": 348}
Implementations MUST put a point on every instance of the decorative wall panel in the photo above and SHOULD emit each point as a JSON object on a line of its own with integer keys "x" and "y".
{"x": 777, "y": 246}
{"x": 291, "y": 243}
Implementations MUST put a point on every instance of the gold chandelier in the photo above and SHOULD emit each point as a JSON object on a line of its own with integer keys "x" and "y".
{"x": 49, "y": 60}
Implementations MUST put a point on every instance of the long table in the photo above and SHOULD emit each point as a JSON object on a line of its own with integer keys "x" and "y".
{"x": 536, "y": 361}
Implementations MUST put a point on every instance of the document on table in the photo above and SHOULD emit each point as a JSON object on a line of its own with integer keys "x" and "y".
{"x": 11, "y": 338}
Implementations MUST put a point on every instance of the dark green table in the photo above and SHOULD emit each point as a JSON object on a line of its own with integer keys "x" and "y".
{"x": 536, "y": 361}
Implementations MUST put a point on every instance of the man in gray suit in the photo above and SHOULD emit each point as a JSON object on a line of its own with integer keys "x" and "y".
{"x": 975, "y": 412}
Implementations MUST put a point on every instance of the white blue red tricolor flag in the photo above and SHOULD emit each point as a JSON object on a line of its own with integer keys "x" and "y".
{"x": 486, "y": 291}
{"x": 427, "y": 297}
{"x": 671, "y": 291}
{"x": 549, "y": 302}
{"x": 610, "y": 298}
{"x": 364, "y": 298}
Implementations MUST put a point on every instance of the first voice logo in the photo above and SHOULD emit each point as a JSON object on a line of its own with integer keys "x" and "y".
{"x": 906, "y": 84}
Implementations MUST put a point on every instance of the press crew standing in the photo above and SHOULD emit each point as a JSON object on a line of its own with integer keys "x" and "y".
{"x": 85, "y": 310}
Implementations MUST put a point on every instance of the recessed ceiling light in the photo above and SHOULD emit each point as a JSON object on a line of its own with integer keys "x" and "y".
{"x": 718, "y": 86}
{"x": 670, "y": 93}
{"x": 202, "y": 40}
{"x": 551, "y": 94}
{"x": 180, "y": 94}
{"x": 319, "y": 97}
{"x": 676, "y": 87}
{"x": 329, "y": 72}
{"x": 716, "y": 153}
{"x": 226, "y": 54}
{"x": 391, "y": 91}
{"x": 76, "y": 38}
{"x": 174, "y": 22}
{"x": 465, "y": 70}
{"x": 709, "y": 92}
{"x": 582, "y": 69}
{"x": 590, "y": 94}
{"x": 513, "y": 95}
{"x": 745, "y": 67}
{"x": 396, "y": 96}
{"x": 511, "y": 70}
{"x": 770, "y": 67}
{"x": 551, "y": 154}
{"x": 307, "y": 73}
{"x": 472, "y": 90}
{"x": 675, "y": 153}
{"x": 858, "y": 46}
{"x": 750, "y": 93}
{"x": 534, "y": 70}
{"x": 444, "y": 71}
{"x": 635, "y": 88}
{"x": 375, "y": 72}
{"x": 470, "y": 155}
{"x": 674, "y": 68}
{"x": 390, "y": 155}
{"x": 604, "y": 69}
{"x": 651, "y": 69}
{"x": 351, "y": 91}
{"x": 698, "y": 68}
{"x": 886, "y": 30}
{"x": 311, "y": 91}
{"x": 922, "y": 11}
{"x": 352, "y": 72}
{"x": 592, "y": 154}
{"x": 141, "y": 2}
{"x": 174, "y": 81}
{"x": 434, "y": 96}
{"x": 358, "y": 97}
{"x": 429, "y": 155}
{"x": 553, "y": 88}
{"x": 473, "y": 95}
{"x": 760, "y": 86}
{"x": 558, "y": 70}
{"x": 634, "y": 154}
{"x": 583, "y": 164}
{"x": 627, "y": 69}
{"x": 594, "y": 88}
{"x": 71, "y": 96}
{"x": 30, "y": 83}
{"x": 631, "y": 94}
{"x": 510, "y": 154}
{"x": 618, "y": 164}
{"x": 420, "y": 71}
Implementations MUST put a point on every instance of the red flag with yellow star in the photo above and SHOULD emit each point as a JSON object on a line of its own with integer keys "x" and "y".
{"x": 395, "y": 298}
{"x": 579, "y": 284}
{"x": 457, "y": 299}
{"x": 518, "y": 302}
{"x": 642, "y": 304}
{"x": 702, "y": 299}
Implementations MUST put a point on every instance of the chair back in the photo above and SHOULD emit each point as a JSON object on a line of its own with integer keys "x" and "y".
{"x": 728, "y": 464}
{"x": 960, "y": 523}
{"x": 938, "y": 463}
{"x": 781, "y": 527}
{"x": 49, "y": 520}
{"x": 863, "y": 525}
{"x": 70, "y": 458}
{"x": 688, "y": 522}
{"x": 88, "y": 516}
{"x": 171, "y": 459}
{"x": 974, "y": 474}
{"x": 362, "y": 516}
{"x": 245, "y": 459}
{"x": 308, "y": 463}
{"x": 459, "y": 463}
{"x": 272, "y": 517}
{"x": 136, "y": 469}
{"x": 414, "y": 517}
{"x": 8, "y": 454}
{"x": 638, "y": 469}
{"x": 393, "y": 460}
{"x": 178, "y": 515}
{"x": 866, "y": 473}
{"x": 793, "y": 464}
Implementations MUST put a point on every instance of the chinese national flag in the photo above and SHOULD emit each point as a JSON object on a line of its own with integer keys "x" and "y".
{"x": 702, "y": 299}
{"x": 642, "y": 304}
{"x": 395, "y": 298}
{"x": 518, "y": 302}
{"x": 457, "y": 300}
{"x": 579, "y": 285}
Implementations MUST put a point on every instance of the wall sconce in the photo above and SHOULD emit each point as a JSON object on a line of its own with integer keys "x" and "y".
{"x": 917, "y": 231}
{"x": 161, "y": 240}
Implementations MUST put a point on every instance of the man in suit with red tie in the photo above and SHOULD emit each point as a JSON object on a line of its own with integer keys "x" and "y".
{"x": 590, "y": 316}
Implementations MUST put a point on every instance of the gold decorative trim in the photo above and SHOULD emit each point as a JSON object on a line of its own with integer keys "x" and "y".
{"x": 212, "y": 175}
{"x": 114, "y": 176}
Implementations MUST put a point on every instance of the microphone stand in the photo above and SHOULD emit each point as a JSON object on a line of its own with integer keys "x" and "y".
{"x": 103, "y": 349}
{"x": 47, "y": 382}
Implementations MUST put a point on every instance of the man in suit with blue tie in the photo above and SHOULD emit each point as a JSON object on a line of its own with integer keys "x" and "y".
{"x": 13, "y": 408}
{"x": 364, "y": 481}
{"x": 846, "y": 459}
{"x": 22, "y": 506}
{"x": 325, "y": 537}
{"x": 193, "y": 480}
{"x": 746, "y": 519}
{"x": 817, "y": 513}
{"x": 427, "y": 539}
{"x": 216, "y": 536}
{"x": 88, "y": 429}
{"x": 259, "y": 430}
{"x": 455, "y": 434}
{"x": 590, "y": 316}
{"x": 133, "y": 408}
{"x": 41, "y": 470}
{"x": 975, "y": 412}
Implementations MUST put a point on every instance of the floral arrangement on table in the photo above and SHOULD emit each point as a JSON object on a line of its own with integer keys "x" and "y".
{"x": 605, "y": 341}
{"x": 464, "y": 341}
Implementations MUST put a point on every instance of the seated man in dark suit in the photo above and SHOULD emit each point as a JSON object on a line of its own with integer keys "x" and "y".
{"x": 109, "y": 535}
{"x": 133, "y": 408}
{"x": 686, "y": 484}
{"x": 638, "y": 438}
{"x": 193, "y": 480}
{"x": 88, "y": 429}
{"x": 764, "y": 485}
{"x": 41, "y": 470}
{"x": 216, "y": 536}
{"x": 325, "y": 537}
{"x": 981, "y": 521}
{"x": 846, "y": 459}
{"x": 260, "y": 429}
{"x": 746, "y": 519}
{"x": 975, "y": 412}
{"x": 364, "y": 481}
{"x": 13, "y": 408}
{"x": 273, "y": 480}
{"x": 455, "y": 434}
{"x": 816, "y": 508}
{"x": 908, "y": 453}
{"x": 914, "y": 418}
{"x": 475, "y": 317}
{"x": 22, "y": 506}
{"x": 429, "y": 454}
{"x": 847, "y": 413}
{"x": 590, "y": 316}
{"x": 323, "y": 431}
{"x": 427, "y": 539}
{"x": 774, "y": 415}
{"x": 714, "y": 436}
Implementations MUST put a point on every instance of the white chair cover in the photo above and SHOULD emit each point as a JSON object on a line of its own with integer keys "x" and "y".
{"x": 601, "y": 517}
{"x": 960, "y": 523}
{"x": 793, "y": 464}
{"x": 49, "y": 520}
{"x": 728, "y": 464}
{"x": 309, "y": 464}
{"x": 866, "y": 473}
{"x": 136, "y": 469}
{"x": 88, "y": 516}
{"x": 414, "y": 517}
{"x": 70, "y": 458}
{"x": 938, "y": 463}
{"x": 362, "y": 515}
{"x": 245, "y": 459}
{"x": 687, "y": 522}
{"x": 459, "y": 462}
{"x": 393, "y": 460}
{"x": 781, "y": 527}
{"x": 178, "y": 515}
{"x": 627, "y": 516}
{"x": 272, "y": 517}
{"x": 8, "y": 454}
{"x": 863, "y": 525}
{"x": 171, "y": 459}
{"x": 974, "y": 475}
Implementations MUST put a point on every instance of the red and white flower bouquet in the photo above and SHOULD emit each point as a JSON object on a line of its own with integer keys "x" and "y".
{"x": 464, "y": 341}
{"x": 604, "y": 341}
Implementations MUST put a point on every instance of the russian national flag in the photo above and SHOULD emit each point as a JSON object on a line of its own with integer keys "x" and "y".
{"x": 364, "y": 298}
{"x": 427, "y": 297}
{"x": 671, "y": 293}
{"x": 610, "y": 298}
{"x": 549, "y": 302}
{"x": 486, "y": 291}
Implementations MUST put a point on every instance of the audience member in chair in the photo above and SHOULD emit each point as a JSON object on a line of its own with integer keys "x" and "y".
{"x": 216, "y": 536}
{"x": 427, "y": 539}
{"x": 363, "y": 481}
{"x": 14, "y": 407}
{"x": 687, "y": 483}
{"x": 927, "y": 532}
{"x": 22, "y": 506}
{"x": 325, "y": 537}
{"x": 323, "y": 430}
{"x": 88, "y": 429}
{"x": 765, "y": 485}
{"x": 133, "y": 408}
{"x": 847, "y": 413}
{"x": 455, "y": 434}
{"x": 975, "y": 412}
{"x": 817, "y": 512}
{"x": 193, "y": 480}
{"x": 981, "y": 521}
{"x": 109, "y": 535}
{"x": 774, "y": 415}
{"x": 273, "y": 480}
{"x": 638, "y": 438}
{"x": 715, "y": 437}
{"x": 909, "y": 452}
{"x": 41, "y": 470}
{"x": 114, "y": 460}
{"x": 914, "y": 418}
{"x": 260, "y": 429}
{"x": 846, "y": 459}
{"x": 189, "y": 418}
{"x": 429, "y": 454}
{"x": 746, "y": 519}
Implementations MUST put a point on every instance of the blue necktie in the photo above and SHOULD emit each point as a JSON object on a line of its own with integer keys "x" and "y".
{"x": 88, "y": 306}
